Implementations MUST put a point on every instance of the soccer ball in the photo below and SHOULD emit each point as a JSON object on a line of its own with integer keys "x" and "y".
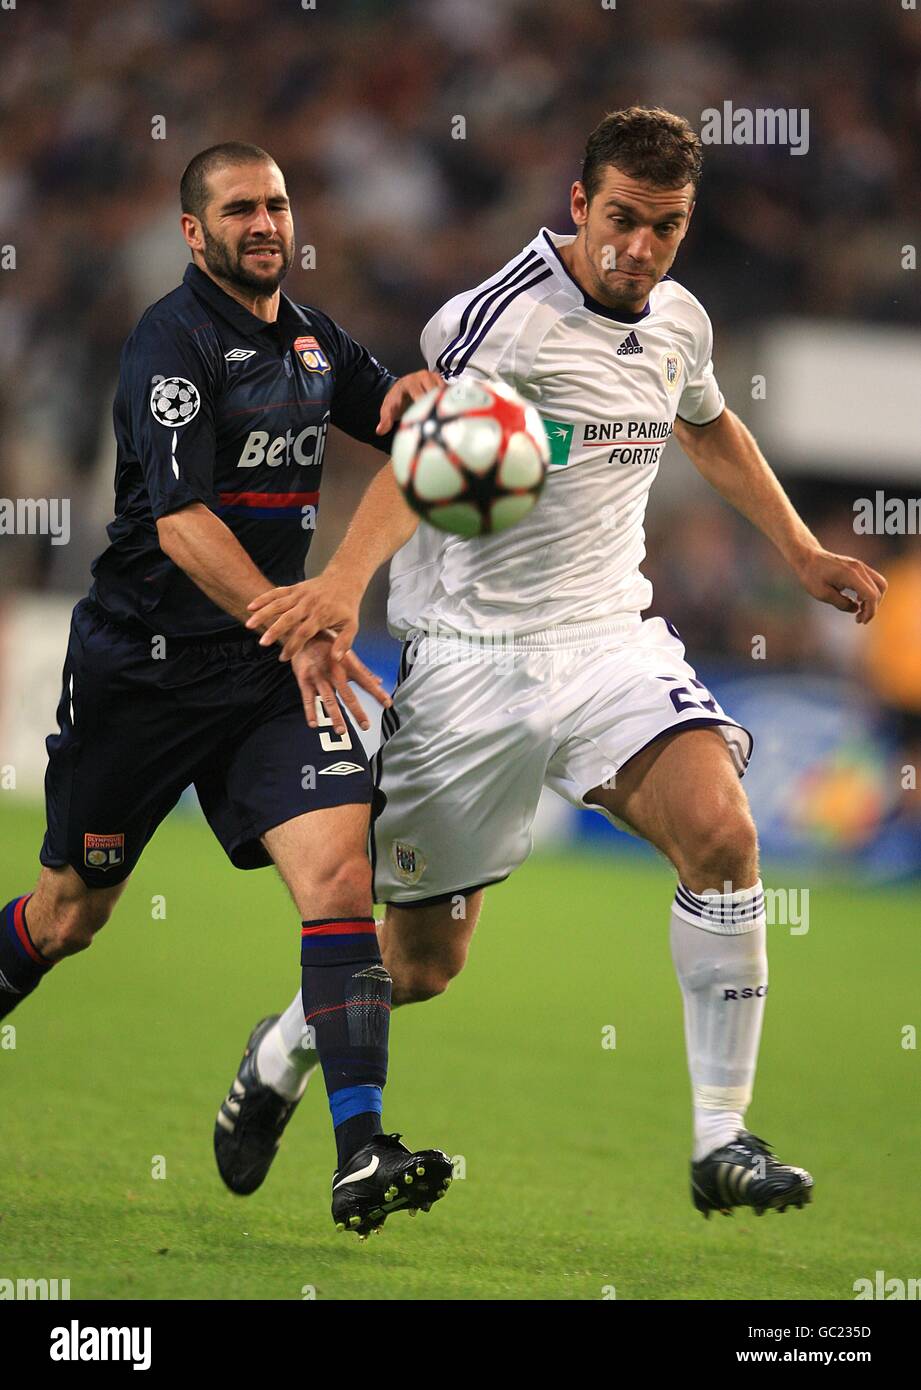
{"x": 471, "y": 457}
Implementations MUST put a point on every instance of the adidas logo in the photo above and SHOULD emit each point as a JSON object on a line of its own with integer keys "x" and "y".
{"x": 629, "y": 346}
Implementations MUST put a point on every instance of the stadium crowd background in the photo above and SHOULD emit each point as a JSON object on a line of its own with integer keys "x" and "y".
{"x": 356, "y": 100}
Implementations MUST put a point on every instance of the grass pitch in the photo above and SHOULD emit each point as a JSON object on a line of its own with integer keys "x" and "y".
{"x": 575, "y": 1154}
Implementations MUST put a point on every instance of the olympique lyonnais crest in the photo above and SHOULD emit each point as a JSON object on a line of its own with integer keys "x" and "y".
{"x": 311, "y": 354}
{"x": 407, "y": 861}
{"x": 103, "y": 851}
{"x": 671, "y": 369}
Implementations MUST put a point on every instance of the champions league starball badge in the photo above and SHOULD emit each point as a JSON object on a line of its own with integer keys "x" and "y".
{"x": 174, "y": 401}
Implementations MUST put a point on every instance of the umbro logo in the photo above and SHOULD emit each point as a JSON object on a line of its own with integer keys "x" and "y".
{"x": 629, "y": 346}
{"x": 341, "y": 769}
{"x": 239, "y": 354}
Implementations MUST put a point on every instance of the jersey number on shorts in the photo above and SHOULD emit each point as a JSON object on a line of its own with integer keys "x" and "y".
{"x": 683, "y": 699}
{"x": 328, "y": 742}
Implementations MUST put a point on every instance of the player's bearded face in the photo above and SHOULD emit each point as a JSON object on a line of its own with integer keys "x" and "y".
{"x": 253, "y": 261}
{"x": 247, "y": 229}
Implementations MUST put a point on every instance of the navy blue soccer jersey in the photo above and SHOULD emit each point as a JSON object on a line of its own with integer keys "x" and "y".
{"x": 217, "y": 406}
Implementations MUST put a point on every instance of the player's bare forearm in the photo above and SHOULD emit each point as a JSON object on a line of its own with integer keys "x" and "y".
{"x": 381, "y": 525}
{"x": 200, "y": 544}
{"x": 726, "y": 454}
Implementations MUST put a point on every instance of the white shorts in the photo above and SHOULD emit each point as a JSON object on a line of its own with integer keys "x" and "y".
{"x": 475, "y": 733}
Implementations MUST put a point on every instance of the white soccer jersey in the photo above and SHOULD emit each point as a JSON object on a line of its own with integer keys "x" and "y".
{"x": 608, "y": 387}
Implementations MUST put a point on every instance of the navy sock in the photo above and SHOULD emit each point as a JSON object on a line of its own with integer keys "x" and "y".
{"x": 22, "y": 964}
{"x": 346, "y": 995}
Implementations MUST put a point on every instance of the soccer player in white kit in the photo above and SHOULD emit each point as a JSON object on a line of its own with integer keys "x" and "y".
{"x": 527, "y": 662}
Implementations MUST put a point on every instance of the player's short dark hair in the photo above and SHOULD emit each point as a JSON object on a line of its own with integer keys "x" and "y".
{"x": 194, "y": 193}
{"x": 647, "y": 143}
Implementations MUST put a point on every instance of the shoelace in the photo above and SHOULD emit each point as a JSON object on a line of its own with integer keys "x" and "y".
{"x": 256, "y": 1112}
{"x": 761, "y": 1145}
{"x": 752, "y": 1145}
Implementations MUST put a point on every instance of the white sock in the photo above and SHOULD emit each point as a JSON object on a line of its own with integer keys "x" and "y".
{"x": 281, "y": 1061}
{"x": 718, "y": 946}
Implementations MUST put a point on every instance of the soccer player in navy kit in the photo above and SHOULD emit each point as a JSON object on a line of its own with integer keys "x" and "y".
{"x": 226, "y": 392}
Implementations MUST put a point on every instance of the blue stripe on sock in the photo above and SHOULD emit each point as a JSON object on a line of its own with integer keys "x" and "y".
{"x": 316, "y": 943}
{"x": 13, "y": 936}
{"x": 339, "y": 950}
{"x": 355, "y": 1100}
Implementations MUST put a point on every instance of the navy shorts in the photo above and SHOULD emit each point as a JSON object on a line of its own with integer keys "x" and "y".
{"x": 136, "y": 728}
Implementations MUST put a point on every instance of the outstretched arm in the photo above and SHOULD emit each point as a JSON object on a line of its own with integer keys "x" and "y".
{"x": 200, "y": 544}
{"x": 726, "y": 454}
{"x": 381, "y": 525}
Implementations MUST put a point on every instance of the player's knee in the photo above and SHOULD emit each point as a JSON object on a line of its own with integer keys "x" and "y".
{"x": 415, "y": 982}
{"x": 346, "y": 886}
{"x": 720, "y": 848}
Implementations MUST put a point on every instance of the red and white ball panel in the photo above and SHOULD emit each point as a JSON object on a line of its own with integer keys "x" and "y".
{"x": 436, "y": 478}
{"x": 505, "y": 511}
{"x": 471, "y": 457}
{"x": 521, "y": 466}
{"x": 405, "y": 444}
{"x": 420, "y": 409}
{"x": 476, "y": 441}
{"x": 460, "y": 518}
{"x": 463, "y": 396}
